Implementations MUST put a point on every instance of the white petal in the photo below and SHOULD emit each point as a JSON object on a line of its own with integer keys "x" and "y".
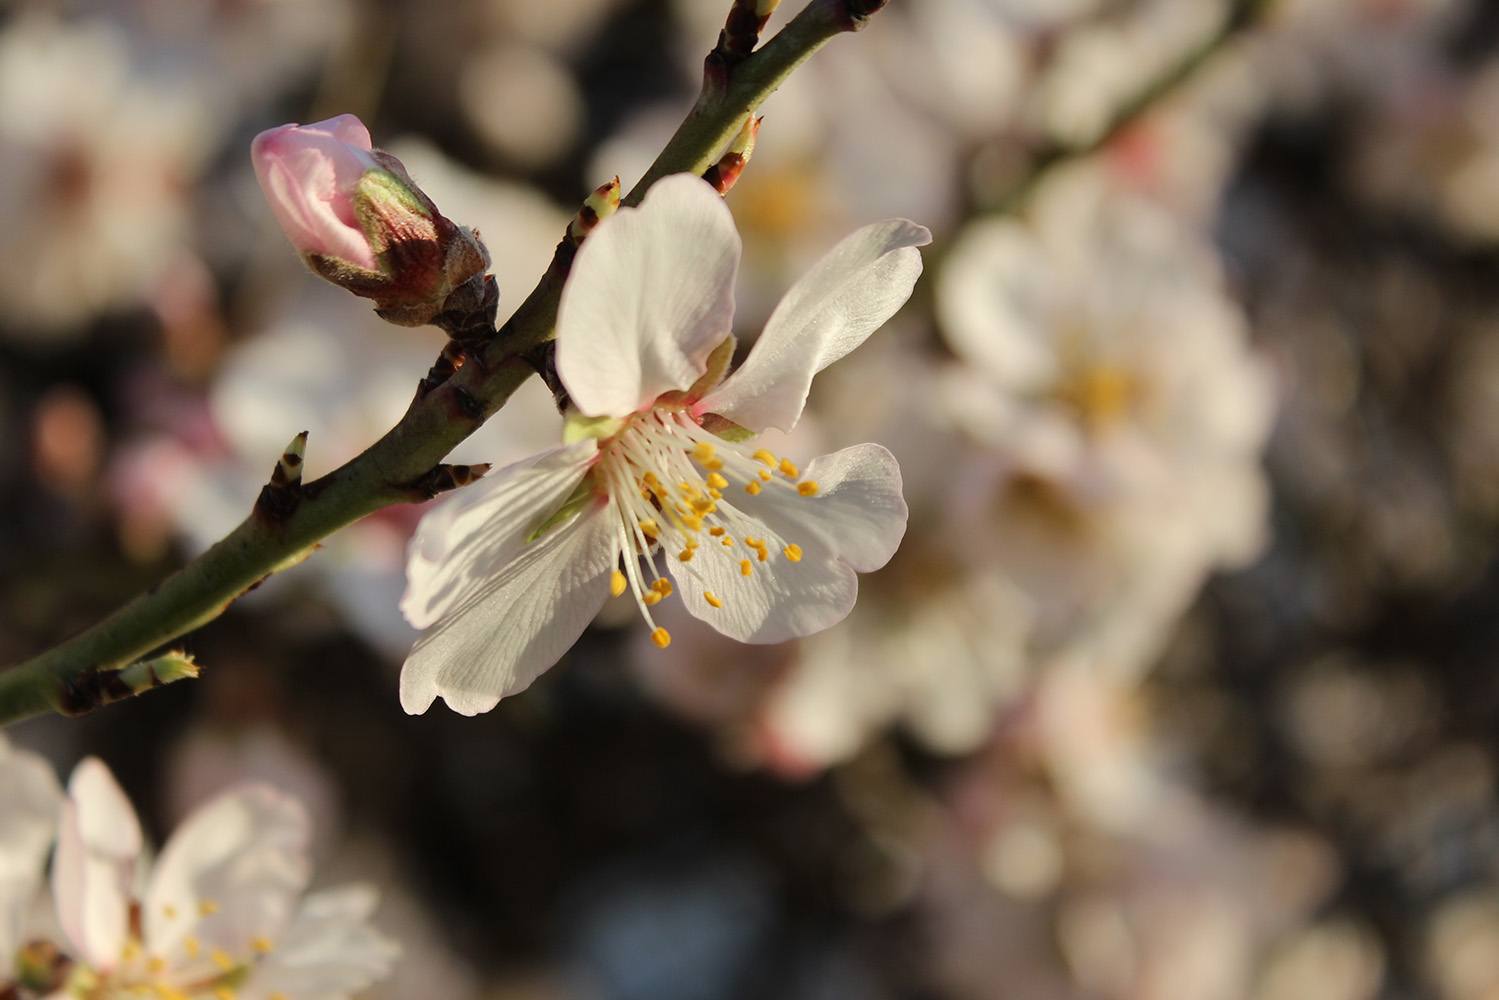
{"x": 469, "y": 538}
{"x": 859, "y": 509}
{"x": 516, "y": 624}
{"x": 329, "y": 951}
{"x": 231, "y": 873}
{"x": 650, "y": 295}
{"x": 779, "y": 599}
{"x": 1000, "y": 301}
{"x": 833, "y": 309}
{"x": 99, "y": 843}
{"x": 28, "y": 823}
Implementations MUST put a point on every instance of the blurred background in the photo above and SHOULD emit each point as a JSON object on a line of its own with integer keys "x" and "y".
{"x": 1181, "y": 687}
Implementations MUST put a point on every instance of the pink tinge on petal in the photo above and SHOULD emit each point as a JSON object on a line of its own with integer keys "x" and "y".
{"x": 309, "y": 174}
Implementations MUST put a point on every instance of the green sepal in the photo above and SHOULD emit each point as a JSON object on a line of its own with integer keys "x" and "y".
{"x": 576, "y": 427}
{"x": 581, "y": 496}
{"x": 717, "y": 367}
{"x": 725, "y": 428}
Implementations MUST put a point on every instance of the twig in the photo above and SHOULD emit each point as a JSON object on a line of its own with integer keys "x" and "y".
{"x": 391, "y": 469}
{"x": 1244, "y": 15}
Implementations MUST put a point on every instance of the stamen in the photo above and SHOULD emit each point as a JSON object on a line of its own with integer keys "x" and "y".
{"x": 261, "y": 945}
{"x": 711, "y": 599}
{"x": 661, "y": 638}
{"x": 207, "y": 908}
{"x": 789, "y": 469}
{"x": 807, "y": 487}
{"x": 717, "y": 481}
{"x": 752, "y": 488}
{"x": 617, "y": 584}
{"x": 221, "y": 958}
{"x": 764, "y": 456}
{"x": 793, "y": 552}
{"x": 745, "y": 567}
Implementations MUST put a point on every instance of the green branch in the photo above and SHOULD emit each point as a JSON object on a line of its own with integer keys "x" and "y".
{"x": 1243, "y": 16}
{"x": 403, "y": 466}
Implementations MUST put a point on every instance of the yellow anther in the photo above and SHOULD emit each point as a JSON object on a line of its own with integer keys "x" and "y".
{"x": 223, "y": 993}
{"x": 662, "y": 586}
{"x": 704, "y": 505}
{"x": 650, "y": 528}
{"x": 617, "y": 584}
{"x": 789, "y": 469}
{"x": 717, "y": 531}
{"x": 692, "y": 522}
{"x": 685, "y": 555}
{"x": 687, "y": 488}
{"x": 807, "y": 487}
{"x": 726, "y": 542}
{"x": 715, "y": 494}
{"x": 156, "y": 965}
{"x": 753, "y": 542}
{"x": 661, "y": 638}
{"x": 711, "y": 599}
{"x": 752, "y": 488}
{"x": 764, "y": 456}
{"x": 762, "y": 553}
{"x": 651, "y": 598}
{"x": 261, "y": 944}
{"x": 714, "y": 465}
{"x": 765, "y": 474}
{"x": 703, "y": 451}
{"x": 207, "y": 908}
{"x": 717, "y": 481}
{"x": 650, "y": 479}
{"x": 745, "y": 568}
{"x": 221, "y": 958}
{"x": 191, "y": 946}
{"x": 793, "y": 552}
{"x": 130, "y": 951}
{"x": 169, "y": 911}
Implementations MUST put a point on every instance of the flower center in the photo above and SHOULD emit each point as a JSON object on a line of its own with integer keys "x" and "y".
{"x": 678, "y": 489}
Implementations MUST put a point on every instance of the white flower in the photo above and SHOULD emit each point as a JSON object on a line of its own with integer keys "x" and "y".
{"x": 220, "y": 913}
{"x": 1111, "y": 376}
{"x": 508, "y": 574}
{"x": 29, "y": 797}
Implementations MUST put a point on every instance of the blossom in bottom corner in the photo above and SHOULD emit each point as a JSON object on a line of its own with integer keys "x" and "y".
{"x": 219, "y": 915}
{"x": 657, "y": 490}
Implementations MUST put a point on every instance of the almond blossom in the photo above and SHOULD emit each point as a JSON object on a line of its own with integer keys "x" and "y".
{"x": 220, "y": 912}
{"x": 28, "y": 823}
{"x": 657, "y": 489}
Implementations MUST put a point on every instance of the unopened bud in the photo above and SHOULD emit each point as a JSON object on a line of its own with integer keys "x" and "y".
{"x": 359, "y": 221}
{"x": 40, "y": 966}
{"x": 723, "y": 174}
{"x": 598, "y": 206}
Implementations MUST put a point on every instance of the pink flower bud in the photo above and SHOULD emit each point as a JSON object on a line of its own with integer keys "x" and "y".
{"x": 359, "y": 221}
{"x": 309, "y": 174}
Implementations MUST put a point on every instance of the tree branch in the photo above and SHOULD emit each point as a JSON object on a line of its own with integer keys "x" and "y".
{"x": 400, "y": 466}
